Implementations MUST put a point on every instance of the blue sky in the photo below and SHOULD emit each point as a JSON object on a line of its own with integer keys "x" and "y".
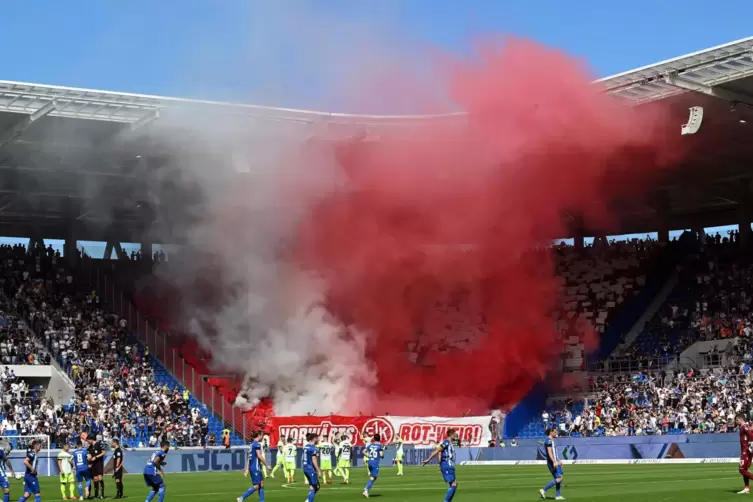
{"x": 274, "y": 51}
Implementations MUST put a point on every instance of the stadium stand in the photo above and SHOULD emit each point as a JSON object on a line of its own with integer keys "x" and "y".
{"x": 695, "y": 402}
{"x": 596, "y": 282}
{"x": 98, "y": 349}
{"x": 149, "y": 311}
{"x": 121, "y": 391}
{"x": 711, "y": 301}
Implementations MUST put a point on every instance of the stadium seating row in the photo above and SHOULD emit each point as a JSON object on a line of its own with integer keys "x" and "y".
{"x": 120, "y": 390}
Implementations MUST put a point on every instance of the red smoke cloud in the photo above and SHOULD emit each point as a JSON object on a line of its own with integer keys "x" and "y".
{"x": 455, "y": 214}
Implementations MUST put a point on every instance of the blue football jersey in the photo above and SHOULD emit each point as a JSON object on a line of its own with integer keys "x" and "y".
{"x": 3, "y": 459}
{"x": 373, "y": 454}
{"x": 151, "y": 465}
{"x": 307, "y": 461}
{"x": 79, "y": 460}
{"x": 447, "y": 456}
{"x": 253, "y": 458}
{"x": 547, "y": 443}
{"x": 32, "y": 456}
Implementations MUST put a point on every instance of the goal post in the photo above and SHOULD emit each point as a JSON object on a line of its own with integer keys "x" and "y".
{"x": 18, "y": 445}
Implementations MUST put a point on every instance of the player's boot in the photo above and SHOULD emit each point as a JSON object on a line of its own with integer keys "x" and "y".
{"x": 543, "y": 494}
{"x": 744, "y": 491}
{"x": 366, "y": 494}
{"x": 559, "y": 497}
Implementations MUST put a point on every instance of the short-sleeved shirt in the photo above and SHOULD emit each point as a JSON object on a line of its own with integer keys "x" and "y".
{"x": 151, "y": 465}
{"x": 94, "y": 450}
{"x": 325, "y": 449}
{"x": 309, "y": 453}
{"x": 345, "y": 450}
{"x": 746, "y": 435}
{"x": 253, "y": 458}
{"x": 79, "y": 459}
{"x": 3, "y": 460}
{"x": 447, "y": 455}
{"x": 117, "y": 456}
{"x": 373, "y": 454}
{"x": 32, "y": 456}
{"x": 65, "y": 462}
{"x": 549, "y": 442}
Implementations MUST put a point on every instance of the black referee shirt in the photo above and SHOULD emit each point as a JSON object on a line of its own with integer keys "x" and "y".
{"x": 94, "y": 450}
{"x": 117, "y": 458}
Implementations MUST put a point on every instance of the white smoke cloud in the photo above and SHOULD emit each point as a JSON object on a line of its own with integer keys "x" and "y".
{"x": 252, "y": 188}
{"x": 274, "y": 328}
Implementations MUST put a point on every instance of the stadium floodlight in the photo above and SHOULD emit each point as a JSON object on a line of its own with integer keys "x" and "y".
{"x": 694, "y": 121}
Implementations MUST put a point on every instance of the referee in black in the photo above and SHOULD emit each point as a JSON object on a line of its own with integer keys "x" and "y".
{"x": 117, "y": 466}
{"x": 97, "y": 468}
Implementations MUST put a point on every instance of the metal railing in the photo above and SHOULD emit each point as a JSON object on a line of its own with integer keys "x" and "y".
{"x": 159, "y": 345}
{"x": 629, "y": 365}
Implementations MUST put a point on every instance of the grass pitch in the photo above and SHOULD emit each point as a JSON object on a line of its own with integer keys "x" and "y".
{"x": 620, "y": 483}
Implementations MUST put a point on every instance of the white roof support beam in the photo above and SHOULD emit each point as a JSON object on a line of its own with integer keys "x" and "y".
{"x": 15, "y": 131}
{"x": 145, "y": 120}
{"x": 119, "y": 136}
{"x": 723, "y": 94}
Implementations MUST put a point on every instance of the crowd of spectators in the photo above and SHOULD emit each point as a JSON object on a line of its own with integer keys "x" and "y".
{"x": 683, "y": 403}
{"x": 595, "y": 280}
{"x": 662, "y": 402}
{"x": 16, "y": 346}
{"x": 116, "y": 394}
{"x": 24, "y": 410}
{"x": 712, "y": 301}
{"x": 595, "y": 283}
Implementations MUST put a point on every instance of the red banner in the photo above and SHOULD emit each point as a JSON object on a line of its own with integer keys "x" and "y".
{"x": 419, "y": 431}
{"x": 297, "y": 427}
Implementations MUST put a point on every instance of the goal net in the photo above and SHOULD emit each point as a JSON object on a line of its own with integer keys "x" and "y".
{"x": 17, "y": 447}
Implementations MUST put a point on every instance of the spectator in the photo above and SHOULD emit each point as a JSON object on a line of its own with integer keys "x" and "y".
{"x": 116, "y": 395}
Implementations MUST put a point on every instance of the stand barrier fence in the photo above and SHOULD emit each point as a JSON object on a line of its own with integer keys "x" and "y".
{"x": 159, "y": 345}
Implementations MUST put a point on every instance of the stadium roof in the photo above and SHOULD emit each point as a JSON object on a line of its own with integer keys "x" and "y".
{"x": 723, "y": 71}
{"x": 70, "y": 102}
{"x": 54, "y": 140}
